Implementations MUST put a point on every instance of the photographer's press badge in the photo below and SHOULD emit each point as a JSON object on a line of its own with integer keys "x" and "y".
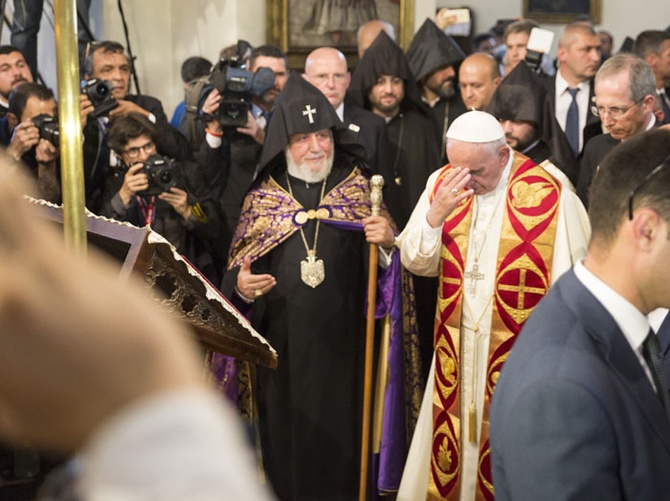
{"x": 312, "y": 271}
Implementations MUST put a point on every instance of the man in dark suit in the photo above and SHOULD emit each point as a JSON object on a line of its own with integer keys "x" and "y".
{"x": 654, "y": 47}
{"x": 578, "y": 61}
{"x": 581, "y": 408}
{"x": 107, "y": 60}
{"x": 326, "y": 69}
{"x": 625, "y": 98}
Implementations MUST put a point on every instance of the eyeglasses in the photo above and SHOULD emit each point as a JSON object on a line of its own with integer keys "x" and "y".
{"x": 651, "y": 174}
{"x": 134, "y": 152}
{"x": 325, "y": 77}
{"x": 614, "y": 113}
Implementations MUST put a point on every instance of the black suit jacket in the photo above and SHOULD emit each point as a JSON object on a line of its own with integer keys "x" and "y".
{"x": 370, "y": 129}
{"x": 574, "y": 415}
{"x": 593, "y": 125}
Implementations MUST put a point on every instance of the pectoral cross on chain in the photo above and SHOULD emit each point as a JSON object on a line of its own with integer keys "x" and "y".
{"x": 309, "y": 111}
{"x": 473, "y": 276}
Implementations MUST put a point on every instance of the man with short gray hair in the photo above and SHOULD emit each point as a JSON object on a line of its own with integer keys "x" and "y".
{"x": 625, "y": 89}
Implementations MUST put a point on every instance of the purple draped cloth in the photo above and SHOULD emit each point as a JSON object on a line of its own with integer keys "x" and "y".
{"x": 269, "y": 216}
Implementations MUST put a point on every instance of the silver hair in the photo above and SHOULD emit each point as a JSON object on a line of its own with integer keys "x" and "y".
{"x": 641, "y": 79}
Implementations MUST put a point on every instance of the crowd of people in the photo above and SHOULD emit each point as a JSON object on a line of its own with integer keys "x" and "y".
{"x": 518, "y": 354}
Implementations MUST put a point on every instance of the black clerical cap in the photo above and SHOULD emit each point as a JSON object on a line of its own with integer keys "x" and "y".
{"x": 383, "y": 57}
{"x": 432, "y": 49}
{"x": 520, "y": 96}
{"x": 302, "y": 108}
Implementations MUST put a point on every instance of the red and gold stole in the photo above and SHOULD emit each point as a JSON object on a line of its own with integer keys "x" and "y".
{"x": 522, "y": 278}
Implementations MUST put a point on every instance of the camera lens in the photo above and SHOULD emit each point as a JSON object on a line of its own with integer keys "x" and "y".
{"x": 102, "y": 90}
{"x": 165, "y": 177}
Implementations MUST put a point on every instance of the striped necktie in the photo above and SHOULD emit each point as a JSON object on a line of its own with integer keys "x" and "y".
{"x": 652, "y": 355}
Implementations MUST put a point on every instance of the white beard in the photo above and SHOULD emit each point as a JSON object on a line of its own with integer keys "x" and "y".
{"x": 304, "y": 173}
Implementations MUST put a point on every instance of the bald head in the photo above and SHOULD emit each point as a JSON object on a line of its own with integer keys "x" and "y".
{"x": 367, "y": 33}
{"x": 479, "y": 77}
{"x": 326, "y": 69}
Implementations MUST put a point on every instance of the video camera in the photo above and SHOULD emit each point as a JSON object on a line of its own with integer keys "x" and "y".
{"x": 162, "y": 173}
{"x": 236, "y": 86}
{"x": 100, "y": 94}
{"x": 48, "y": 127}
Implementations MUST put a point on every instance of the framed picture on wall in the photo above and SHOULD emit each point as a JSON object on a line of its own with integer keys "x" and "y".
{"x": 561, "y": 11}
{"x": 300, "y": 26}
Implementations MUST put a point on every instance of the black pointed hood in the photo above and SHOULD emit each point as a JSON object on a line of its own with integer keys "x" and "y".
{"x": 302, "y": 108}
{"x": 383, "y": 57}
{"x": 432, "y": 49}
{"x": 521, "y": 96}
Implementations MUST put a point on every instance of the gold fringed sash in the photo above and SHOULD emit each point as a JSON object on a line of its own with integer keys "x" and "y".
{"x": 522, "y": 278}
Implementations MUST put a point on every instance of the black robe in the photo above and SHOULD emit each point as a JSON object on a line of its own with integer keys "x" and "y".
{"x": 443, "y": 114}
{"x": 414, "y": 158}
{"x": 310, "y": 407}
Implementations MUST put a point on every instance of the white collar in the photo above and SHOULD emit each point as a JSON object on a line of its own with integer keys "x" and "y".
{"x": 632, "y": 322}
{"x": 340, "y": 111}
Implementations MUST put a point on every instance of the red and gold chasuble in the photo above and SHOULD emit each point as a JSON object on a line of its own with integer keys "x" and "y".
{"x": 522, "y": 278}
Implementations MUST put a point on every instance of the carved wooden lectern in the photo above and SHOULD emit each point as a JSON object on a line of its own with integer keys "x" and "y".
{"x": 177, "y": 285}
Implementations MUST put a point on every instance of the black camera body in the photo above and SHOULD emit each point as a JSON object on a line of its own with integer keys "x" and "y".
{"x": 100, "y": 94}
{"x": 162, "y": 173}
{"x": 48, "y": 127}
{"x": 236, "y": 86}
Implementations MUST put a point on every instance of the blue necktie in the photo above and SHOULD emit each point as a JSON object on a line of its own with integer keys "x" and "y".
{"x": 652, "y": 355}
{"x": 572, "y": 122}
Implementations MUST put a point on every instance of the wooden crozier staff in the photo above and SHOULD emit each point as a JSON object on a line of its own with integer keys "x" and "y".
{"x": 376, "y": 184}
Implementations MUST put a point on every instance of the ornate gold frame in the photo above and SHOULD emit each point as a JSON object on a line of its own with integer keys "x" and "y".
{"x": 544, "y": 16}
{"x": 278, "y": 31}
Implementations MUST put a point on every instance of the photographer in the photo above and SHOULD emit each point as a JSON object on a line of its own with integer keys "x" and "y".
{"x": 177, "y": 203}
{"x": 246, "y": 141}
{"x": 33, "y": 130}
{"x": 107, "y": 60}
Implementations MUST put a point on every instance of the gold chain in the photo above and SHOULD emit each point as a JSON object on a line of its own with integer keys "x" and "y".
{"x": 311, "y": 252}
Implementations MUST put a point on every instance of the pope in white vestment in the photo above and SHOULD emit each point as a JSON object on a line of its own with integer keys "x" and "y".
{"x": 503, "y": 205}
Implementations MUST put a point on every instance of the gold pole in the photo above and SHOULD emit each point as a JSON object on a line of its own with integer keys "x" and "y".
{"x": 71, "y": 154}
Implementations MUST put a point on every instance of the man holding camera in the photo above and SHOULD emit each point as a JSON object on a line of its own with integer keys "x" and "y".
{"x": 107, "y": 61}
{"x": 147, "y": 189}
{"x": 245, "y": 142}
{"x": 31, "y": 107}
